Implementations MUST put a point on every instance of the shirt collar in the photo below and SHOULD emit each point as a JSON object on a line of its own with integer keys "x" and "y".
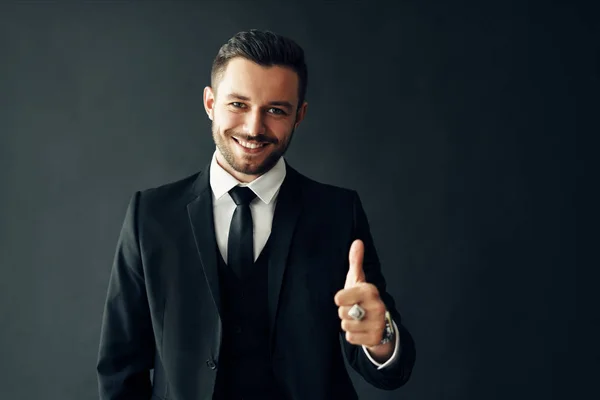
{"x": 265, "y": 186}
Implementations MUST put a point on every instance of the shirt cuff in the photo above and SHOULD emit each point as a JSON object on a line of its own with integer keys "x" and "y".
{"x": 394, "y": 356}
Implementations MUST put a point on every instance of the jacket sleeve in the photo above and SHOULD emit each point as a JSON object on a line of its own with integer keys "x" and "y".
{"x": 126, "y": 353}
{"x": 397, "y": 373}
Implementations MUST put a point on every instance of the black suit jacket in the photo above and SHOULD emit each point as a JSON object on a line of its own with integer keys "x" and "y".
{"x": 163, "y": 302}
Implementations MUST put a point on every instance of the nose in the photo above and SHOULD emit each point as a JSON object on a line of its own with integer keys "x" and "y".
{"x": 254, "y": 123}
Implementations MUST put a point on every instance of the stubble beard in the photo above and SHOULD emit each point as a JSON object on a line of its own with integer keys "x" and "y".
{"x": 224, "y": 144}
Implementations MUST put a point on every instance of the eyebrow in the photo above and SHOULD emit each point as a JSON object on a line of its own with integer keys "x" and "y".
{"x": 280, "y": 103}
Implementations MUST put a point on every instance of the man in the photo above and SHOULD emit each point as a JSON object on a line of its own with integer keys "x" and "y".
{"x": 247, "y": 280}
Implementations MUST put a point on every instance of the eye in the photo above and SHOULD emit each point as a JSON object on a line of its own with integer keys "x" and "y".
{"x": 277, "y": 111}
{"x": 237, "y": 104}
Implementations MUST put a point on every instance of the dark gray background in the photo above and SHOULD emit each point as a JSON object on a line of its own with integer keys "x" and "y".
{"x": 456, "y": 123}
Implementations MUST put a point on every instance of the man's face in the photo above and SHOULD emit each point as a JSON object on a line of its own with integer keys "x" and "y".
{"x": 254, "y": 111}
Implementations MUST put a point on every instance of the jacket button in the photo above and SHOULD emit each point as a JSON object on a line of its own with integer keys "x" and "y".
{"x": 211, "y": 364}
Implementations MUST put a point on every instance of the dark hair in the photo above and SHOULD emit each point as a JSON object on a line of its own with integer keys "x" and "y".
{"x": 264, "y": 48}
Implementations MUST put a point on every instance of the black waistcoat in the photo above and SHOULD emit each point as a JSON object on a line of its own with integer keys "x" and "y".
{"x": 245, "y": 369}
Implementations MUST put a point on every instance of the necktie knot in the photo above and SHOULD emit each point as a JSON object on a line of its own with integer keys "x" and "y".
{"x": 242, "y": 195}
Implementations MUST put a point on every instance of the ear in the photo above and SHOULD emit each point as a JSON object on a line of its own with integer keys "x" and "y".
{"x": 300, "y": 114}
{"x": 209, "y": 102}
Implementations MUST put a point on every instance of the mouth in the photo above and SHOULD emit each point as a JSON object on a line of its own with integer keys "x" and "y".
{"x": 250, "y": 147}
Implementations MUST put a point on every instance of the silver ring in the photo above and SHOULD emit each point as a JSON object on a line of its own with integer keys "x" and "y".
{"x": 356, "y": 312}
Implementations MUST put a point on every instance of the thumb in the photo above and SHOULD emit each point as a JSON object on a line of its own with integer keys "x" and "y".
{"x": 355, "y": 271}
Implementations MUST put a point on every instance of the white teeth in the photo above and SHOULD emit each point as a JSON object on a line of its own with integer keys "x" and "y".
{"x": 248, "y": 144}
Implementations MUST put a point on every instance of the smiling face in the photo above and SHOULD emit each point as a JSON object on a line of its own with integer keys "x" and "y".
{"x": 254, "y": 111}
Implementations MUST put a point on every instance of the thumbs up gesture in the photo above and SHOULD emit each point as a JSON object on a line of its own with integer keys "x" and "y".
{"x": 369, "y": 330}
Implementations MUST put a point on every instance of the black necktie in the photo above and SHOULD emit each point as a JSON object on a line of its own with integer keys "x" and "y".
{"x": 240, "y": 246}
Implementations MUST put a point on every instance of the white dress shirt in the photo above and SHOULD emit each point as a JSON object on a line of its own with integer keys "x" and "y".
{"x": 266, "y": 187}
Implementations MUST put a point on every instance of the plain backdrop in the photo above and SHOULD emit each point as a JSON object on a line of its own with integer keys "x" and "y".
{"x": 455, "y": 122}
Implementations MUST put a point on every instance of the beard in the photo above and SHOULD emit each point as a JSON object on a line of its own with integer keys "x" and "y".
{"x": 250, "y": 165}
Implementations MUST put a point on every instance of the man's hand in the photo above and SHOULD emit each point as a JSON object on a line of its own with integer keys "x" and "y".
{"x": 369, "y": 331}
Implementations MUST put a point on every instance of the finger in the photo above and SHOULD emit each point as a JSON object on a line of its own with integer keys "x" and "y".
{"x": 371, "y": 327}
{"x": 374, "y": 312}
{"x": 364, "y": 339}
{"x": 350, "y": 325}
{"x": 355, "y": 258}
{"x": 361, "y": 293}
{"x": 350, "y": 296}
{"x": 343, "y": 312}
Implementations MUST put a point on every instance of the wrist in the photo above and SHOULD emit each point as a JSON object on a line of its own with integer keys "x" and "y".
{"x": 382, "y": 352}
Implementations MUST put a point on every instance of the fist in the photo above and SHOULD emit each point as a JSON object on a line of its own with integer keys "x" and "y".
{"x": 368, "y": 331}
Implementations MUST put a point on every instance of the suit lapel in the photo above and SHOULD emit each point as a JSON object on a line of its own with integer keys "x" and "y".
{"x": 200, "y": 213}
{"x": 287, "y": 211}
{"x": 285, "y": 218}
